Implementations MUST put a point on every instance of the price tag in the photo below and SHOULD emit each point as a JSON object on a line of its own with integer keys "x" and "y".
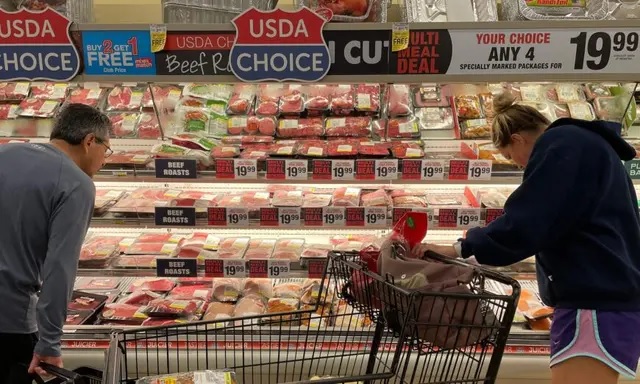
{"x": 411, "y": 169}
{"x": 333, "y": 216}
{"x": 375, "y": 217}
{"x": 386, "y": 169}
{"x": 175, "y": 216}
{"x": 448, "y": 218}
{"x": 296, "y": 169}
{"x": 468, "y": 218}
{"x": 597, "y": 50}
{"x": 365, "y": 169}
{"x": 276, "y": 169}
{"x": 492, "y": 214}
{"x": 177, "y": 267}
{"x": 633, "y": 168}
{"x": 343, "y": 170}
{"x": 321, "y": 170}
{"x": 224, "y": 169}
{"x": 354, "y": 216}
{"x": 258, "y": 268}
{"x": 176, "y": 169}
{"x": 316, "y": 267}
{"x": 432, "y": 170}
{"x": 278, "y": 268}
{"x": 269, "y": 217}
{"x": 289, "y": 217}
{"x": 480, "y": 169}
{"x": 234, "y": 268}
{"x": 214, "y": 268}
{"x": 237, "y": 217}
{"x": 458, "y": 169}
{"x": 245, "y": 169}
{"x": 312, "y": 217}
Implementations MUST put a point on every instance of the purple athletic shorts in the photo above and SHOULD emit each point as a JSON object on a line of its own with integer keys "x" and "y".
{"x": 610, "y": 337}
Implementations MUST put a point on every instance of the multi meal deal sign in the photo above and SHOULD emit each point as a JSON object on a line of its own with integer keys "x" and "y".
{"x": 36, "y": 45}
{"x": 279, "y": 46}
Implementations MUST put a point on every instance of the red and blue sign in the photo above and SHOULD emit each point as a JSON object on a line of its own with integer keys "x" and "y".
{"x": 118, "y": 53}
{"x": 279, "y": 45}
{"x": 36, "y": 45}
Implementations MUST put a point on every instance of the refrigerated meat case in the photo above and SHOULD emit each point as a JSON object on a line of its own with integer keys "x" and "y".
{"x": 439, "y": 159}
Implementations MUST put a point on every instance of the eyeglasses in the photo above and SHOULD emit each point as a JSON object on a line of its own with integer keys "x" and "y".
{"x": 109, "y": 151}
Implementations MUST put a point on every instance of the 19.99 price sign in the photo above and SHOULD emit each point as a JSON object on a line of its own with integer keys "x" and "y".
{"x": 458, "y": 217}
{"x": 287, "y": 169}
{"x": 237, "y": 169}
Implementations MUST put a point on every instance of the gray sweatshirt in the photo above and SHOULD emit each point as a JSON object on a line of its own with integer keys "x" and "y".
{"x": 46, "y": 204}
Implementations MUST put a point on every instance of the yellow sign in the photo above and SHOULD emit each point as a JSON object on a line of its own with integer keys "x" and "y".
{"x": 399, "y": 37}
{"x": 158, "y": 37}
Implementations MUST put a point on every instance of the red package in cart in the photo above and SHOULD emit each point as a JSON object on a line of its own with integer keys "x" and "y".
{"x": 263, "y": 125}
{"x": 226, "y": 290}
{"x": 233, "y": 247}
{"x": 51, "y": 91}
{"x": 192, "y": 292}
{"x": 318, "y": 96}
{"x": 148, "y": 126}
{"x": 379, "y": 198}
{"x": 311, "y": 127}
{"x": 287, "y": 199}
{"x": 403, "y": 128}
{"x": 140, "y": 298}
{"x": 291, "y": 100}
{"x": 38, "y": 107}
{"x": 123, "y": 314}
{"x": 241, "y": 100}
{"x": 152, "y": 284}
{"x": 348, "y": 126}
{"x": 124, "y": 124}
{"x": 165, "y": 97}
{"x": 338, "y": 148}
{"x": 225, "y": 152}
{"x": 173, "y": 308}
{"x": 14, "y": 91}
{"x": 369, "y": 148}
{"x": 399, "y": 100}
{"x": 407, "y": 150}
{"x": 367, "y": 98}
{"x": 86, "y": 96}
{"x": 312, "y": 148}
{"x": 342, "y": 100}
{"x": 260, "y": 249}
{"x": 122, "y": 98}
{"x": 346, "y": 197}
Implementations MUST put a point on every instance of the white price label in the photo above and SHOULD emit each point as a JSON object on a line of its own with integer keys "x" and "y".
{"x": 289, "y": 217}
{"x": 278, "y": 268}
{"x": 333, "y": 216}
{"x": 468, "y": 217}
{"x": 234, "y": 268}
{"x": 375, "y": 216}
{"x": 386, "y": 169}
{"x": 432, "y": 170}
{"x": 245, "y": 169}
{"x": 237, "y": 217}
{"x": 480, "y": 169}
{"x": 343, "y": 170}
{"x": 296, "y": 169}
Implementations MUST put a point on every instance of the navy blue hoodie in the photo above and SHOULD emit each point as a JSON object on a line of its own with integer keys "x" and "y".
{"x": 577, "y": 211}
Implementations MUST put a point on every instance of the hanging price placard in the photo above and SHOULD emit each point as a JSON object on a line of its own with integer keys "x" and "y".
{"x": 480, "y": 169}
{"x": 278, "y": 268}
{"x": 333, "y": 217}
{"x": 343, "y": 170}
{"x": 447, "y": 218}
{"x": 234, "y": 268}
{"x": 458, "y": 169}
{"x": 287, "y": 169}
{"x": 245, "y": 169}
{"x": 492, "y": 214}
{"x": 312, "y": 217}
{"x": 289, "y": 217}
{"x": 375, "y": 217}
{"x": 315, "y": 268}
{"x": 469, "y": 218}
{"x": 386, "y": 169}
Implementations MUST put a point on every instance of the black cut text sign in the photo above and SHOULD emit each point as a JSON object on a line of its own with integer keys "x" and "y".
{"x": 175, "y": 216}
{"x": 177, "y": 267}
{"x": 176, "y": 169}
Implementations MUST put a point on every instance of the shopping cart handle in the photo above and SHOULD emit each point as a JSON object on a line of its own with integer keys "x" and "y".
{"x": 59, "y": 373}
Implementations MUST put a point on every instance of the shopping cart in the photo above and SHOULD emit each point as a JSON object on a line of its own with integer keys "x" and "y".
{"x": 82, "y": 375}
{"x": 331, "y": 341}
{"x": 451, "y": 337}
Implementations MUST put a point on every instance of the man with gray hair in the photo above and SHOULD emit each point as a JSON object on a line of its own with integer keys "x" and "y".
{"x": 46, "y": 204}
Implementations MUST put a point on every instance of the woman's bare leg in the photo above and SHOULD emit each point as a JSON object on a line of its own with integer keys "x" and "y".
{"x": 583, "y": 370}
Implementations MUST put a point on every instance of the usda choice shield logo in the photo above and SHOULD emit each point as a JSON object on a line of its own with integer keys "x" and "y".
{"x": 279, "y": 46}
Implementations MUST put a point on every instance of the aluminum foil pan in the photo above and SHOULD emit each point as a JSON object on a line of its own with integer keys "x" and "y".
{"x": 624, "y": 9}
{"x": 367, "y": 10}
{"x": 181, "y": 14}
{"x": 519, "y": 10}
{"x": 223, "y": 5}
{"x": 79, "y": 11}
{"x": 417, "y": 11}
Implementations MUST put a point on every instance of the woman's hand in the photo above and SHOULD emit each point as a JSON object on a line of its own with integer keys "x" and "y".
{"x": 444, "y": 250}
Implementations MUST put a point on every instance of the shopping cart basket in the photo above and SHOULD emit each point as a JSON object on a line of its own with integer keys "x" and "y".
{"x": 82, "y": 375}
{"x": 332, "y": 341}
{"x": 451, "y": 337}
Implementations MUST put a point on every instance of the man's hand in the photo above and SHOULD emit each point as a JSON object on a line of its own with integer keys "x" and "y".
{"x": 34, "y": 367}
{"x": 444, "y": 250}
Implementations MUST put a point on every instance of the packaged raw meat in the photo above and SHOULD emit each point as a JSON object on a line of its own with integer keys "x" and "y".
{"x": 86, "y": 96}
{"x": 446, "y": 200}
{"x": 124, "y": 98}
{"x": 9, "y": 111}
{"x": 148, "y": 126}
{"x": 172, "y": 151}
{"x": 311, "y": 127}
{"x": 196, "y": 377}
{"x": 282, "y": 306}
{"x": 311, "y": 291}
{"x": 77, "y": 317}
{"x": 140, "y": 298}
{"x": 475, "y": 129}
{"x": 486, "y": 101}
{"x": 283, "y": 148}
{"x": 255, "y": 199}
{"x": 164, "y": 321}
{"x": 435, "y": 118}
{"x": 241, "y": 101}
{"x": 348, "y": 126}
{"x": 316, "y": 251}
{"x": 342, "y": 100}
{"x": 370, "y": 148}
{"x": 191, "y": 119}
{"x": 233, "y": 247}
{"x": 159, "y": 238}
{"x": 379, "y": 198}
{"x": 267, "y": 99}
{"x": 529, "y": 93}
{"x": 318, "y": 98}
{"x": 125, "y": 314}
{"x": 407, "y": 150}
{"x": 429, "y": 95}
{"x": 225, "y": 152}
{"x": 403, "y": 128}
{"x": 367, "y": 98}
{"x": 347, "y": 317}
{"x": 568, "y": 93}
{"x": 609, "y": 108}
{"x": 164, "y": 96}
{"x": 260, "y": 249}
{"x": 219, "y": 311}
{"x": 399, "y": 96}
{"x": 288, "y": 290}
{"x": 38, "y": 107}
{"x": 192, "y": 292}
{"x": 250, "y": 306}
{"x": 215, "y": 92}
{"x": 14, "y": 91}
{"x": 317, "y": 318}
{"x": 410, "y": 201}
{"x": 137, "y": 261}
{"x": 288, "y": 249}
{"x": 193, "y": 141}
{"x": 173, "y": 308}
{"x": 291, "y": 100}
{"x": 287, "y": 199}
{"x": 98, "y": 251}
{"x": 51, "y": 91}
{"x": 561, "y": 110}
{"x": 468, "y": 107}
{"x": 344, "y": 147}
{"x": 312, "y": 148}
{"x": 231, "y": 200}
{"x": 154, "y": 284}
{"x": 346, "y": 197}
{"x": 356, "y": 242}
{"x": 258, "y": 287}
{"x": 580, "y": 110}
{"x": 317, "y": 200}
{"x": 84, "y": 301}
{"x": 258, "y": 152}
{"x": 593, "y": 90}
{"x": 97, "y": 283}
{"x": 123, "y": 124}
{"x": 543, "y": 107}
{"x": 151, "y": 249}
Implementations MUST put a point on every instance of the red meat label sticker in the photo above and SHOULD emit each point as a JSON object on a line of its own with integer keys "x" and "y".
{"x": 492, "y": 214}
{"x": 448, "y": 218}
{"x": 269, "y": 217}
{"x": 365, "y": 169}
{"x": 458, "y": 169}
{"x": 213, "y": 268}
{"x": 316, "y": 267}
{"x": 312, "y": 217}
{"x": 321, "y": 170}
{"x": 258, "y": 268}
{"x": 279, "y": 45}
{"x": 354, "y": 217}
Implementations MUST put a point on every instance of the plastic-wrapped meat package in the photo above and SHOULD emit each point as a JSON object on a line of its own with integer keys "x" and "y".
{"x": 173, "y": 308}
{"x": 348, "y": 126}
{"x": 317, "y": 319}
{"x": 14, "y": 91}
{"x": 311, "y": 127}
{"x": 608, "y": 108}
{"x": 193, "y": 141}
{"x": 410, "y": 201}
{"x": 226, "y": 290}
{"x": 250, "y": 306}
{"x": 399, "y": 100}
{"x": 151, "y": 248}
{"x": 283, "y": 148}
{"x": 98, "y": 251}
{"x": 262, "y": 288}
{"x": 379, "y": 198}
{"x": 468, "y": 107}
{"x": 139, "y": 157}
{"x": 267, "y": 99}
{"x": 370, "y": 148}
{"x": 191, "y": 292}
{"x": 311, "y": 291}
{"x": 256, "y": 199}
{"x": 367, "y": 98}
{"x": 198, "y": 281}
{"x": 38, "y": 107}
{"x": 77, "y": 317}
{"x": 159, "y": 238}
{"x": 218, "y": 311}
{"x": 241, "y": 100}
{"x": 165, "y": 321}
{"x": 568, "y": 93}
{"x": 288, "y": 249}
{"x": 233, "y": 247}
{"x": 288, "y": 290}
{"x": 287, "y": 199}
{"x": 317, "y": 200}
{"x": 282, "y": 306}
{"x": 258, "y": 152}
{"x": 231, "y": 201}
{"x": 437, "y": 118}
{"x": 260, "y": 249}
{"x": 214, "y": 92}
{"x": 407, "y": 150}
{"x": 51, "y": 91}
{"x": 475, "y": 129}
{"x": 446, "y": 200}
{"x": 579, "y": 110}
{"x": 148, "y": 126}
{"x": 316, "y": 251}
{"x": 561, "y": 110}
{"x": 486, "y": 101}
{"x": 123, "y": 124}
{"x": 318, "y": 98}
{"x": 225, "y": 152}
{"x": 312, "y": 148}
{"x": 346, "y": 197}
{"x": 105, "y": 197}
{"x": 543, "y": 107}
{"x": 263, "y": 125}
{"x": 8, "y": 111}
{"x": 347, "y": 317}
{"x": 403, "y": 128}
{"x": 343, "y": 147}
{"x": 352, "y": 242}
{"x": 154, "y": 284}
{"x": 593, "y": 90}
{"x": 291, "y": 100}
{"x": 123, "y": 98}
{"x": 86, "y": 96}
{"x": 530, "y": 93}
{"x": 171, "y": 151}
{"x": 137, "y": 261}
{"x": 84, "y": 301}
{"x": 97, "y": 283}
{"x": 140, "y": 298}
{"x": 342, "y": 100}
{"x": 165, "y": 96}
{"x": 125, "y": 314}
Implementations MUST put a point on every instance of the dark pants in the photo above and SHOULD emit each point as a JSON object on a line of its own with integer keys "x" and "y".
{"x": 16, "y": 352}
